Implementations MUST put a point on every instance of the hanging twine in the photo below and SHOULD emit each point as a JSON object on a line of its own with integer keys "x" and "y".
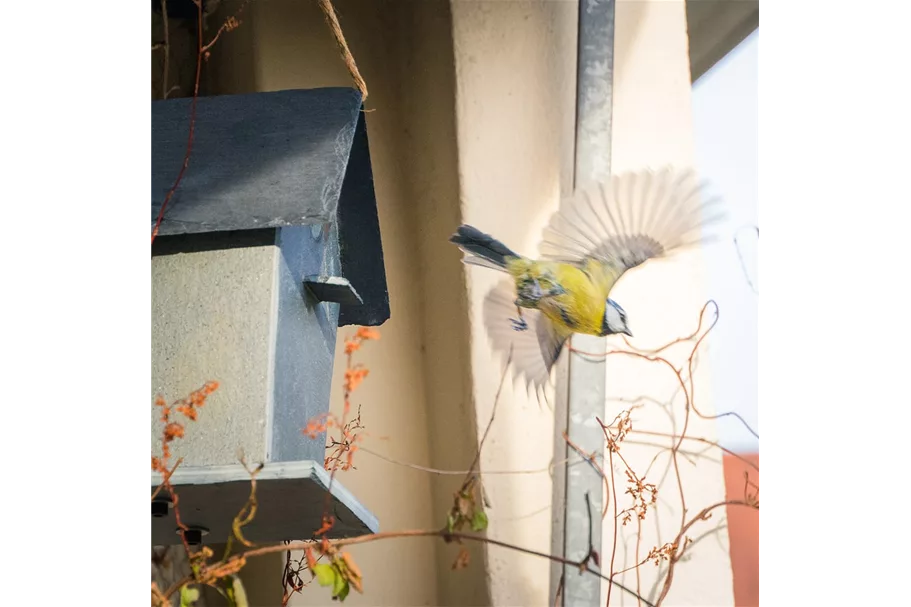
{"x": 332, "y": 21}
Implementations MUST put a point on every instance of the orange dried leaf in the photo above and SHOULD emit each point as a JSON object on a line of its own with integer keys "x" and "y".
{"x": 368, "y": 333}
{"x": 188, "y": 411}
{"x": 311, "y": 559}
{"x": 328, "y": 522}
{"x": 314, "y": 428}
{"x": 172, "y": 431}
{"x": 349, "y": 562}
{"x": 354, "y": 377}
{"x": 462, "y": 560}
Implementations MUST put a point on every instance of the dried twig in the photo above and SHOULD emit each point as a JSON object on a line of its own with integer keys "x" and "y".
{"x": 592, "y": 459}
{"x": 476, "y": 470}
{"x": 674, "y": 551}
{"x": 615, "y": 433}
{"x": 166, "y": 45}
{"x": 202, "y": 52}
{"x": 166, "y": 479}
{"x": 691, "y": 360}
{"x": 678, "y": 552}
{"x": 743, "y": 265}
{"x": 701, "y": 440}
{"x": 192, "y": 126}
{"x": 230, "y": 24}
{"x": 412, "y": 533}
{"x": 473, "y": 475}
{"x": 248, "y": 512}
{"x": 613, "y": 552}
{"x": 592, "y": 555}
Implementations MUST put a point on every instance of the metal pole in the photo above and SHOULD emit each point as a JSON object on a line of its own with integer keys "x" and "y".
{"x": 585, "y": 380}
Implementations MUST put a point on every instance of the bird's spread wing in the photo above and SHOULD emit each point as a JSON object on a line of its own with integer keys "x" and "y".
{"x": 631, "y": 218}
{"x": 533, "y": 351}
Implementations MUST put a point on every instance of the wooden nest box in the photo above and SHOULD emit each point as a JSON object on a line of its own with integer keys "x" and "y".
{"x": 269, "y": 245}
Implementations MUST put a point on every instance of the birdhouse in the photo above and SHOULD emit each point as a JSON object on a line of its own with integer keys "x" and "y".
{"x": 270, "y": 243}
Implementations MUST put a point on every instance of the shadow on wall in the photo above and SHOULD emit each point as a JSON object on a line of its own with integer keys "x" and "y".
{"x": 743, "y": 530}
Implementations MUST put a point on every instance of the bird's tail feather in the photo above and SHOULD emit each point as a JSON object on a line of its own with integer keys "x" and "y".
{"x": 481, "y": 249}
{"x": 476, "y": 260}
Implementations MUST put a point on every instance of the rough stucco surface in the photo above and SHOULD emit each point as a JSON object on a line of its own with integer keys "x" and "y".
{"x": 286, "y": 44}
{"x": 515, "y": 100}
{"x": 515, "y": 66}
{"x": 653, "y": 125}
{"x": 198, "y": 335}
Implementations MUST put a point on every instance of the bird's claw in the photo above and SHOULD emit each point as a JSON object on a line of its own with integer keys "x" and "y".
{"x": 519, "y": 324}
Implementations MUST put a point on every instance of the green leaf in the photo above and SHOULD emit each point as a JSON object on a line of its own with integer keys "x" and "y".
{"x": 341, "y": 588}
{"x": 188, "y": 596}
{"x": 237, "y": 593}
{"x": 450, "y": 523}
{"x": 344, "y": 591}
{"x": 479, "y": 521}
{"x": 325, "y": 574}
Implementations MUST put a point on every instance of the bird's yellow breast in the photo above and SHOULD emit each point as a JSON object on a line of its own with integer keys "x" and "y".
{"x": 574, "y": 298}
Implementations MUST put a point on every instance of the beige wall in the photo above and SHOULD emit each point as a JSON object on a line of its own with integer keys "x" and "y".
{"x": 474, "y": 122}
{"x": 414, "y": 402}
{"x": 515, "y": 63}
{"x": 430, "y": 176}
{"x": 652, "y": 126}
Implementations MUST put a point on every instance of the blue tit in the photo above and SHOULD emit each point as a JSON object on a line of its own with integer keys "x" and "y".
{"x": 597, "y": 235}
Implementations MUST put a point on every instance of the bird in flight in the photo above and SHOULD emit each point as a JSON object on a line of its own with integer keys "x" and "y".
{"x": 598, "y": 234}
